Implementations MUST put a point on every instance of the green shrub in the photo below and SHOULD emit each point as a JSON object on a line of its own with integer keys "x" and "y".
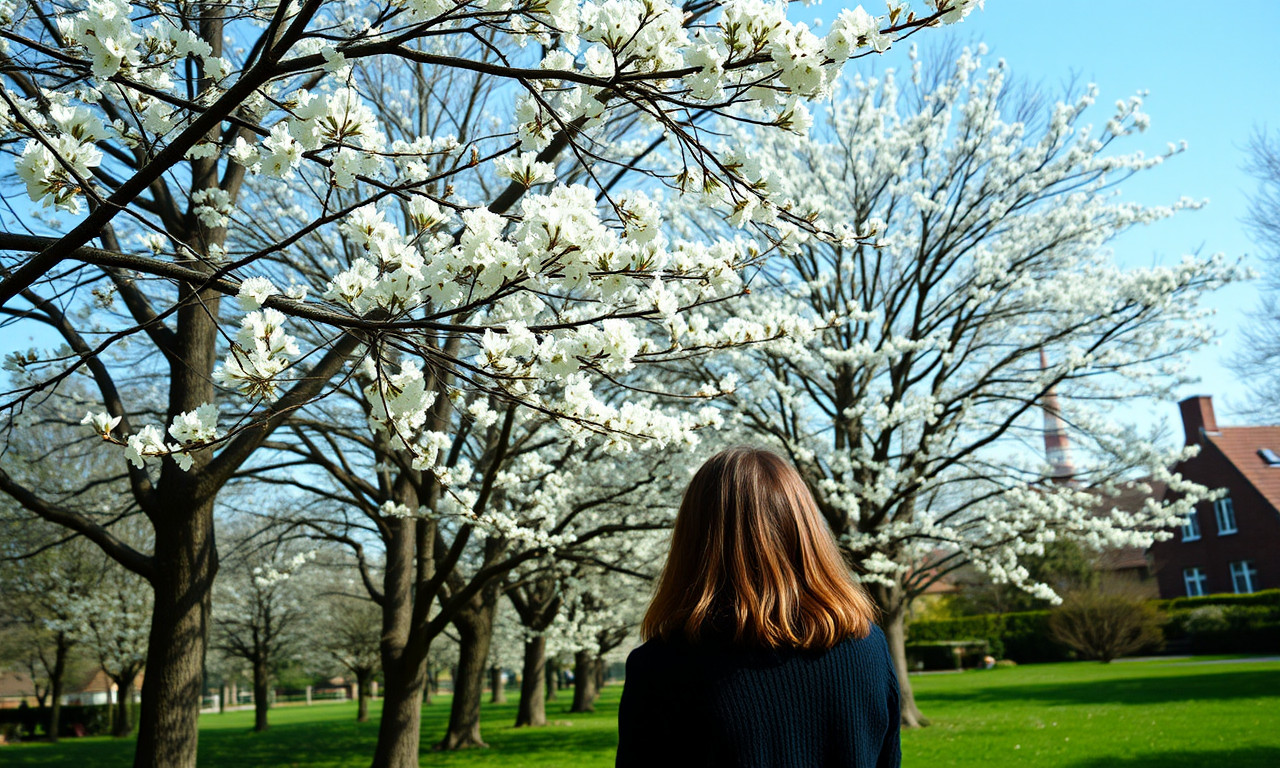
{"x": 1105, "y": 624}
{"x": 1206, "y": 618}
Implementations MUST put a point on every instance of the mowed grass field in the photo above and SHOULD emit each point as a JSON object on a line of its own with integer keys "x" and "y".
{"x": 1149, "y": 714}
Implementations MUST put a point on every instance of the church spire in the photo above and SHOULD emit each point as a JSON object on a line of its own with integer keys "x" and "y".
{"x": 1057, "y": 445}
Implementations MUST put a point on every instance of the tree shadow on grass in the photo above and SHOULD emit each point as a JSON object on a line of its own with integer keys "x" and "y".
{"x": 558, "y": 738}
{"x": 1244, "y": 757}
{"x": 1130, "y": 690}
{"x": 324, "y": 743}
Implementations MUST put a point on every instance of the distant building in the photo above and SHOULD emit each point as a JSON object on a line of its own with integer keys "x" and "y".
{"x": 1232, "y": 544}
{"x": 92, "y": 686}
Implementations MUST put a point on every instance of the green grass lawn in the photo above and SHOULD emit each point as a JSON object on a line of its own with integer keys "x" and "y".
{"x": 1166, "y": 714}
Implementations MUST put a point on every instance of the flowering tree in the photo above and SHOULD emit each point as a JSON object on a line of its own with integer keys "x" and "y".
{"x": 536, "y": 598}
{"x": 914, "y": 410}
{"x": 439, "y": 549}
{"x": 143, "y": 123}
{"x": 38, "y": 593}
{"x": 112, "y": 620}
{"x": 259, "y": 617}
{"x": 55, "y": 585}
{"x": 349, "y": 633}
{"x": 603, "y": 607}
{"x": 1261, "y": 350}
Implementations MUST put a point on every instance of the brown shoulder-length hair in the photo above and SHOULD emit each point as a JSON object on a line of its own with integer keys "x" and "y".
{"x": 751, "y": 555}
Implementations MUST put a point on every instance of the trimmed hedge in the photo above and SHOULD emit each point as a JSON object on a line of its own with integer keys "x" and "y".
{"x": 1023, "y": 637}
{"x": 1267, "y": 597}
{"x": 1238, "y": 627}
{"x": 95, "y": 719}
{"x": 1227, "y": 623}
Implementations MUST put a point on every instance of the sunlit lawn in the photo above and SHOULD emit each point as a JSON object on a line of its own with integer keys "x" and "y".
{"x": 1166, "y": 714}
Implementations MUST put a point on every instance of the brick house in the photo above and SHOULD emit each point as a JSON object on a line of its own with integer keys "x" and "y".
{"x": 1232, "y": 544}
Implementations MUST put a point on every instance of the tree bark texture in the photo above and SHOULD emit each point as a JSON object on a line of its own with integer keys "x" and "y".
{"x": 497, "y": 693}
{"x": 533, "y": 684}
{"x": 404, "y": 655}
{"x": 123, "y": 725}
{"x": 893, "y": 611}
{"x": 187, "y": 560}
{"x": 261, "y": 696}
{"x": 584, "y": 682}
{"x": 475, "y": 632}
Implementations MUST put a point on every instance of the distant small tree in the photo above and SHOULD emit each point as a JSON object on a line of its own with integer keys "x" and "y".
{"x": 1107, "y": 622}
{"x": 1256, "y": 358}
{"x": 259, "y": 618}
{"x": 351, "y": 634}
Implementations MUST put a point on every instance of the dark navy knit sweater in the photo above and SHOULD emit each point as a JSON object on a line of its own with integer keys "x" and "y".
{"x": 713, "y": 705}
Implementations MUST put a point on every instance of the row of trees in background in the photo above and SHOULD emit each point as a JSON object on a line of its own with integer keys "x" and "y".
{"x": 471, "y": 363}
{"x": 296, "y": 616}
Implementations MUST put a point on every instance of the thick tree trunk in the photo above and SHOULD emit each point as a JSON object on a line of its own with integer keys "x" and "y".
{"x": 533, "y": 684}
{"x": 55, "y": 687}
{"x": 362, "y": 697}
{"x": 584, "y": 682}
{"x": 400, "y": 728}
{"x": 124, "y": 691}
{"x": 186, "y": 560}
{"x": 404, "y": 651}
{"x": 497, "y": 693}
{"x": 893, "y": 612}
{"x": 223, "y": 693}
{"x": 475, "y": 632}
{"x": 261, "y": 696}
{"x": 553, "y": 679}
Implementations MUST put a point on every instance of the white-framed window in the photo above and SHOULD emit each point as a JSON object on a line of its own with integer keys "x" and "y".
{"x": 1243, "y": 576}
{"x": 1225, "y": 514}
{"x": 1191, "y": 528}
{"x": 1194, "y": 579}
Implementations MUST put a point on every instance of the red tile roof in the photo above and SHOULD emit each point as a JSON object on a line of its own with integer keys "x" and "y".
{"x": 1240, "y": 445}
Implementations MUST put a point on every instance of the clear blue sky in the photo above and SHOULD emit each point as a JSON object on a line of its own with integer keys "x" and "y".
{"x": 1213, "y": 79}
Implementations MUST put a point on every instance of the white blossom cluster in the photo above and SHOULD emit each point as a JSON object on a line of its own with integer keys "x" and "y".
{"x": 570, "y": 290}
{"x": 274, "y": 572}
{"x": 112, "y": 618}
{"x": 191, "y": 429}
{"x": 753, "y": 51}
{"x": 262, "y": 351}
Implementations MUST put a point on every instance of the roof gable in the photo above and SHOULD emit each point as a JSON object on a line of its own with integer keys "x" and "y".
{"x": 1240, "y": 446}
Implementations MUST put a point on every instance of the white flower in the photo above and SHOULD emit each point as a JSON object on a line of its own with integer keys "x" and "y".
{"x": 103, "y": 423}
{"x": 212, "y": 206}
{"x": 148, "y": 442}
{"x": 525, "y": 169}
{"x": 254, "y": 291}
{"x": 198, "y": 426}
